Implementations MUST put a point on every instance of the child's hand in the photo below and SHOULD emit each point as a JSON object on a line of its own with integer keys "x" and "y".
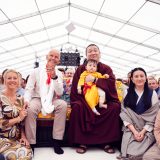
{"x": 79, "y": 90}
{"x": 106, "y": 76}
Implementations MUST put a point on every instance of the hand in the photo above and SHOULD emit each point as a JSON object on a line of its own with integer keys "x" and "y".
{"x": 89, "y": 78}
{"x": 141, "y": 135}
{"x": 22, "y": 114}
{"x": 26, "y": 105}
{"x": 106, "y": 76}
{"x": 138, "y": 136}
{"x": 50, "y": 69}
{"x": 79, "y": 90}
{"x": 52, "y": 73}
{"x": 24, "y": 141}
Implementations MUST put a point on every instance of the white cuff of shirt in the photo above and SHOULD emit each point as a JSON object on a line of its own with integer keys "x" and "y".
{"x": 148, "y": 128}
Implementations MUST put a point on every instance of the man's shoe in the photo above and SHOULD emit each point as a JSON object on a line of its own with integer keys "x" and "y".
{"x": 2, "y": 157}
{"x": 57, "y": 148}
{"x": 32, "y": 147}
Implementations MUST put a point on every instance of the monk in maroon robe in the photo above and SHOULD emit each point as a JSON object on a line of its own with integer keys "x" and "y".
{"x": 86, "y": 128}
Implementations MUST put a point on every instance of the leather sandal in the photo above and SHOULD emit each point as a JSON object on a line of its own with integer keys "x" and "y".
{"x": 81, "y": 149}
{"x": 119, "y": 156}
{"x": 109, "y": 149}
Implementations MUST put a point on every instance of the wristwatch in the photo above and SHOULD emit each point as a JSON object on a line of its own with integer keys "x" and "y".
{"x": 55, "y": 77}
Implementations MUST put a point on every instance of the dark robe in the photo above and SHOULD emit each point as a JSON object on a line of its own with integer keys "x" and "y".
{"x": 84, "y": 126}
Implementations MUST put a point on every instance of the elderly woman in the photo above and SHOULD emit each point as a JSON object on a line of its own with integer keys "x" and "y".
{"x": 14, "y": 144}
{"x": 138, "y": 115}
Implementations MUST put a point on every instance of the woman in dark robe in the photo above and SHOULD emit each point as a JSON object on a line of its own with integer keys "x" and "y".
{"x": 85, "y": 128}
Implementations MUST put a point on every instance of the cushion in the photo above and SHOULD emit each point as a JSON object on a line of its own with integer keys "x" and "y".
{"x": 51, "y": 115}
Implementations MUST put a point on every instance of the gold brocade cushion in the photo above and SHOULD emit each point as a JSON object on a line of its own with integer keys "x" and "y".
{"x": 51, "y": 115}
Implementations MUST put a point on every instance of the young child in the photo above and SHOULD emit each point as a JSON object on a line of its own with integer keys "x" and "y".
{"x": 93, "y": 94}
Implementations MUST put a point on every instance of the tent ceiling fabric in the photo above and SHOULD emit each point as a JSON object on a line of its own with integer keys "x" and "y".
{"x": 127, "y": 32}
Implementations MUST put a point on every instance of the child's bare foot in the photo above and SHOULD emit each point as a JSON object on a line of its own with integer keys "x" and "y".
{"x": 96, "y": 112}
{"x": 101, "y": 105}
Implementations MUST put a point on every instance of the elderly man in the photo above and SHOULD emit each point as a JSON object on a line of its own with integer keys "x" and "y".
{"x": 43, "y": 89}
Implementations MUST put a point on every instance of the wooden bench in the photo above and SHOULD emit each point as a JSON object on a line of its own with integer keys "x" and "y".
{"x": 45, "y": 127}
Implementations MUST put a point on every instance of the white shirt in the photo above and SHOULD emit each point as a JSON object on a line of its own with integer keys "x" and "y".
{"x": 33, "y": 85}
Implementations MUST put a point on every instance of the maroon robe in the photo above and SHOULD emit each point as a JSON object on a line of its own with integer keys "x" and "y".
{"x": 84, "y": 126}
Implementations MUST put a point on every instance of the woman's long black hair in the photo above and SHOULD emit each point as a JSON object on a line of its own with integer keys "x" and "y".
{"x": 131, "y": 97}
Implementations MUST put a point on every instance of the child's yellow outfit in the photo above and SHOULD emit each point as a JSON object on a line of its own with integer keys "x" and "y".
{"x": 92, "y": 93}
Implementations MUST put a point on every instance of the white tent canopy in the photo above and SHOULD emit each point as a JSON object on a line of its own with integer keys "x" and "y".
{"x": 126, "y": 31}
